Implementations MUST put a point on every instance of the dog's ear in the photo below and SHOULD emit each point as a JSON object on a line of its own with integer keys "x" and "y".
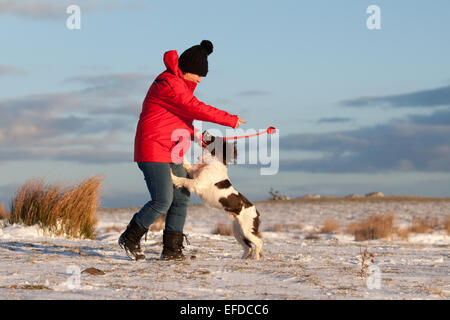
{"x": 229, "y": 152}
{"x": 207, "y": 137}
{"x": 207, "y": 140}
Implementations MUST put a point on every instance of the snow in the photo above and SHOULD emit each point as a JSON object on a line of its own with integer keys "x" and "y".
{"x": 35, "y": 265}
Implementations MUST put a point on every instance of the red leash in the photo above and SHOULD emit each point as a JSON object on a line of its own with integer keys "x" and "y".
{"x": 270, "y": 130}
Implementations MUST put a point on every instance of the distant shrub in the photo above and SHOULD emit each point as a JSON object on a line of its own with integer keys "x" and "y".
{"x": 424, "y": 224}
{"x": 284, "y": 227}
{"x": 159, "y": 224}
{"x": 376, "y": 227}
{"x": 275, "y": 195}
{"x": 224, "y": 229}
{"x": 329, "y": 226}
{"x": 402, "y": 233}
{"x": 3, "y": 213}
{"x": 62, "y": 210}
{"x": 447, "y": 224}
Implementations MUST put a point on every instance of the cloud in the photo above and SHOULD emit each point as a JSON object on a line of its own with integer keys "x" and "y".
{"x": 86, "y": 125}
{"x": 33, "y": 9}
{"x": 55, "y": 10}
{"x": 334, "y": 120}
{"x": 253, "y": 93}
{"x": 414, "y": 144}
{"x": 423, "y": 98}
{"x": 114, "y": 83}
{"x": 10, "y": 70}
{"x": 440, "y": 117}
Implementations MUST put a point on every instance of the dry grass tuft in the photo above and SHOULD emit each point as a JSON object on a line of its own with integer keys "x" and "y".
{"x": 3, "y": 213}
{"x": 159, "y": 224}
{"x": 434, "y": 290}
{"x": 329, "y": 226}
{"x": 376, "y": 227}
{"x": 224, "y": 229}
{"x": 362, "y": 199}
{"x": 112, "y": 229}
{"x": 424, "y": 224}
{"x": 402, "y": 233}
{"x": 447, "y": 224}
{"x": 62, "y": 210}
{"x": 284, "y": 227}
{"x": 365, "y": 257}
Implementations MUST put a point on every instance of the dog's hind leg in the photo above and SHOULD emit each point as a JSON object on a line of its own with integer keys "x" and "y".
{"x": 258, "y": 246}
{"x": 239, "y": 235}
{"x": 250, "y": 236}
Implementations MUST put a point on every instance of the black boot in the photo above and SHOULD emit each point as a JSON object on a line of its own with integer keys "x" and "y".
{"x": 172, "y": 246}
{"x": 130, "y": 240}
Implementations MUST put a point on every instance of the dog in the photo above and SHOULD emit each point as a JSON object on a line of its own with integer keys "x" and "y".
{"x": 209, "y": 180}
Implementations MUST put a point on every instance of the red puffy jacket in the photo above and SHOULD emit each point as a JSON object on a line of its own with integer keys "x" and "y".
{"x": 170, "y": 105}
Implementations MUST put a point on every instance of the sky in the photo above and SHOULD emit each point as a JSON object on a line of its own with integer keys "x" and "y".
{"x": 357, "y": 110}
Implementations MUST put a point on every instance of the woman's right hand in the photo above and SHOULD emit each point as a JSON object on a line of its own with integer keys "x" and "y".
{"x": 239, "y": 122}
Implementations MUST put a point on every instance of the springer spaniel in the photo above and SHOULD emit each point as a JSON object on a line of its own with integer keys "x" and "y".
{"x": 210, "y": 181}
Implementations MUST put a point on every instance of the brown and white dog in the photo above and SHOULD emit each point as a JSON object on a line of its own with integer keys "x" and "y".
{"x": 210, "y": 181}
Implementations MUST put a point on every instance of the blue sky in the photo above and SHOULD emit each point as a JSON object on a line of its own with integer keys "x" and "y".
{"x": 358, "y": 110}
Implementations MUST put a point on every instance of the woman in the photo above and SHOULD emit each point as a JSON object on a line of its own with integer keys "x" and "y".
{"x": 168, "y": 106}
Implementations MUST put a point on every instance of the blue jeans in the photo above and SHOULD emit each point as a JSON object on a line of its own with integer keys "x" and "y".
{"x": 165, "y": 197}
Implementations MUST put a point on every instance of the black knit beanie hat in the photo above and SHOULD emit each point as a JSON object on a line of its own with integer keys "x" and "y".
{"x": 195, "y": 59}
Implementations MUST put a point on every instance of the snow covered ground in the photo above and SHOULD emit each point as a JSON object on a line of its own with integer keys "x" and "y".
{"x": 294, "y": 266}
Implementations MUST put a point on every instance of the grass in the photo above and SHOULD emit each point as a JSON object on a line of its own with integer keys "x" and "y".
{"x": 424, "y": 225}
{"x": 62, "y": 210}
{"x": 329, "y": 226}
{"x": 159, "y": 224}
{"x": 284, "y": 227}
{"x": 447, "y": 224}
{"x": 3, "y": 214}
{"x": 224, "y": 229}
{"x": 365, "y": 256}
{"x": 375, "y": 227}
{"x": 381, "y": 226}
{"x": 386, "y": 198}
{"x": 29, "y": 287}
{"x": 402, "y": 233}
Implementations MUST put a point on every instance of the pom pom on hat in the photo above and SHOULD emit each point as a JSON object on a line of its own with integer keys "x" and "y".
{"x": 208, "y": 46}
